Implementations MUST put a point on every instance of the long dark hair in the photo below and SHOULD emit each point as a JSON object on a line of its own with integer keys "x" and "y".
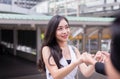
{"x": 115, "y": 46}
{"x": 51, "y": 42}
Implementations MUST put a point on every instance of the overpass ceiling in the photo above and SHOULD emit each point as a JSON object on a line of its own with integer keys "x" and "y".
{"x": 29, "y": 22}
{"x": 92, "y": 33}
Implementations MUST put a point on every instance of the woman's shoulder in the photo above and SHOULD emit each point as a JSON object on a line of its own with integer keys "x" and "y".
{"x": 46, "y": 50}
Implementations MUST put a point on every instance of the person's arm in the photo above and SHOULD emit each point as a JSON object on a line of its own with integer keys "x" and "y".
{"x": 86, "y": 70}
{"x": 96, "y": 62}
{"x": 53, "y": 69}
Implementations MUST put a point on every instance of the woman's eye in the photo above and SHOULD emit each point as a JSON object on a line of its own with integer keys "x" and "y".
{"x": 59, "y": 29}
{"x": 67, "y": 27}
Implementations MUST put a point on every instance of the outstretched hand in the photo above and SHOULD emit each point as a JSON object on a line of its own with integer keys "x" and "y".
{"x": 101, "y": 56}
{"x": 106, "y": 56}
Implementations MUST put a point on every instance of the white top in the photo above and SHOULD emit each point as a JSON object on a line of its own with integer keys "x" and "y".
{"x": 63, "y": 62}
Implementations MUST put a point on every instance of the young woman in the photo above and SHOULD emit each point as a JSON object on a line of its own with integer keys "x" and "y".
{"x": 58, "y": 59}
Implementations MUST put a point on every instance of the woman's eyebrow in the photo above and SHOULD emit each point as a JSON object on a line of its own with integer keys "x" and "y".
{"x": 60, "y": 26}
{"x": 64, "y": 25}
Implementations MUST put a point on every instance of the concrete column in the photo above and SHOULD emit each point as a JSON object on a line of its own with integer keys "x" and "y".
{"x": 78, "y": 44}
{"x": 15, "y": 41}
{"x": 78, "y": 10}
{"x": 84, "y": 38}
{"x": 104, "y": 8}
{"x": 13, "y": 2}
{"x": 65, "y": 7}
{"x": 38, "y": 43}
{"x": 55, "y": 8}
{"x": 18, "y": 2}
{"x": 89, "y": 45}
{"x": 99, "y": 38}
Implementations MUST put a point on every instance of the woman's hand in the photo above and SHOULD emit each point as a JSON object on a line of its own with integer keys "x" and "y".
{"x": 88, "y": 58}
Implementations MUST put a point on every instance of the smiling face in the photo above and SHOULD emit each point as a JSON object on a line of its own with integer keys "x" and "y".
{"x": 62, "y": 31}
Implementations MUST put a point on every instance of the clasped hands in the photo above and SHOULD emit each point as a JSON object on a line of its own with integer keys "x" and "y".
{"x": 91, "y": 59}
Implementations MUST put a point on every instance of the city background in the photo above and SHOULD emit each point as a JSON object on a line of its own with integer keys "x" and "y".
{"x": 23, "y": 23}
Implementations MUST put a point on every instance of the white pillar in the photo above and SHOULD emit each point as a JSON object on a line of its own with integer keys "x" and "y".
{"x": 78, "y": 9}
{"x": 15, "y": 41}
{"x": 65, "y": 8}
{"x": 38, "y": 43}
{"x": 55, "y": 7}
{"x": 78, "y": 44}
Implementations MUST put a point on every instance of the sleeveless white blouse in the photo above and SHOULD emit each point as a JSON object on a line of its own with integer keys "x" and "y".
{"x": 63, "y": 62}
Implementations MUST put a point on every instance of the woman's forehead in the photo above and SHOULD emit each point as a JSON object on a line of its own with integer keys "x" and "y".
{"x": 63, "y": 22}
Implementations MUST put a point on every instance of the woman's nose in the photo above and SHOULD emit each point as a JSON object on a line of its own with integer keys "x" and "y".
{"x": 64, "y": 30}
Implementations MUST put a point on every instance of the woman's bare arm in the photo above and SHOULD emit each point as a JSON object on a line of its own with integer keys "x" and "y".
{"x": 53, "y": 69}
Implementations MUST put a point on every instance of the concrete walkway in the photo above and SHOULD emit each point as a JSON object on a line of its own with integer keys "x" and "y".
{"x": 80, "y": 76}
{"x": 12, "y": 67}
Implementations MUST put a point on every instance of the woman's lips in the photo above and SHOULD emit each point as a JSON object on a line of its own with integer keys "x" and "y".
{"x": 65, "y": 36}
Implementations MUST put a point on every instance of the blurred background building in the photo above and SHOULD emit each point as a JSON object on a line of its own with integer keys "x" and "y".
{"x": 62, "y": 7}
{"x": 80, "y": 7}
{"x": 18, "y": 6}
